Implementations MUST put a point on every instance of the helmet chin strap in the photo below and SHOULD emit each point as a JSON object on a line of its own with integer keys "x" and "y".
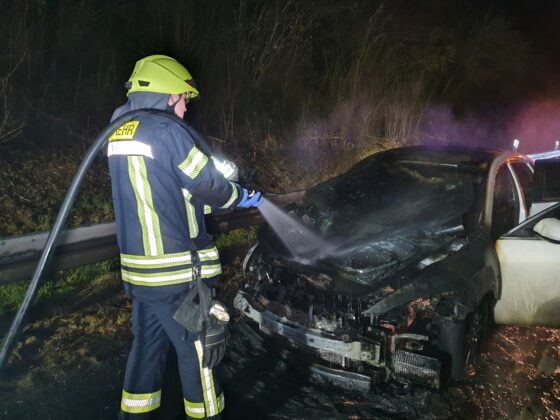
{"x": 170, "y": 108}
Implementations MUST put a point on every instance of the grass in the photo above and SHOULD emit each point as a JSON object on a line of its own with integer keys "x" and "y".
{"x": 34, "y": 186}
{"x": 64, "y": 284}
{"x": 55, "y": 289}
{"x": 236, "y": 237}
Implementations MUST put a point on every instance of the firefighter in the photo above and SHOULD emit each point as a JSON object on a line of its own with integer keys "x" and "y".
{"x": 163, "y": 182}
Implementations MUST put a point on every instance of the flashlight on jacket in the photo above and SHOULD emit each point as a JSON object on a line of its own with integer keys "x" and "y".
{"x": 228, "y": 168}
{"x": 219, "y": 312}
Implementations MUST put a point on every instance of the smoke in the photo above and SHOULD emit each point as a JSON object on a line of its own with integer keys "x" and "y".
{"x": 345, "y": 130}
{"x": 358, "y": 128}
{"x": 440, "y": 126}
{"x": 538, "y": 126}
{"x": 314, "y": 140}
{"x": 305, "y": 245}
{"x": 535, "y": 124}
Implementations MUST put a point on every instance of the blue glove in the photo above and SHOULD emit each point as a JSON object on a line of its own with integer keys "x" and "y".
{"x": 250, "y": 199}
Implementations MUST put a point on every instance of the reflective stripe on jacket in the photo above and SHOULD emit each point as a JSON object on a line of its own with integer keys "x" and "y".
{"x": 162, "y": 184}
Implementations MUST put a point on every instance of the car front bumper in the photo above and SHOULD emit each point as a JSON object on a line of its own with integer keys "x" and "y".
{"x": 385, "y": 356}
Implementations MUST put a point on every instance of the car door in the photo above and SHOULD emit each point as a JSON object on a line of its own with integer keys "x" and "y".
{"x": 530, "y": 270}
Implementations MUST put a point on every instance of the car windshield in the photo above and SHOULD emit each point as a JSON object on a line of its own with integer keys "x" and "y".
{"x": 378, "y": 195}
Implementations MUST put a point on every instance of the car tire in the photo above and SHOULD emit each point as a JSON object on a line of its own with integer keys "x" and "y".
{"x": 477, "y": 327}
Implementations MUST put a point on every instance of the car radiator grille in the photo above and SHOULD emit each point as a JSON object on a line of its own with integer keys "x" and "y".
{"x": 417, "y": 366}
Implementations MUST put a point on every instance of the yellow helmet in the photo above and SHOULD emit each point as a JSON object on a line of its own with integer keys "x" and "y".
{"x": 161, "y": 74}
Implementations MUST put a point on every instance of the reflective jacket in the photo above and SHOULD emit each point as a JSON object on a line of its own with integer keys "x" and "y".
{"x": 163, "y": 184}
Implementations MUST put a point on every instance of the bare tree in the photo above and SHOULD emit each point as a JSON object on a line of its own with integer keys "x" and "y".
{"x": 11, "y": 124}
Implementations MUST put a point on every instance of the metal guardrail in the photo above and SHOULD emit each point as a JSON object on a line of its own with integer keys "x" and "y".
{"x": 80, "y": 246}
{"x": 89, "y": 244}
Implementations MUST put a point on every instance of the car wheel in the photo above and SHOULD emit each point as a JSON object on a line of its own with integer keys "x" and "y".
{"x": 476, "y": 332}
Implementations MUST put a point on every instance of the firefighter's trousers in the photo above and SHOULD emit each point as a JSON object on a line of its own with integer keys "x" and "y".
{"x": 154, "y": 329}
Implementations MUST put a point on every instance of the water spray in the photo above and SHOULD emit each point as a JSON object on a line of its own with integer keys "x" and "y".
{"x": 556, "y": 145}
{"x": 305, "y": 245}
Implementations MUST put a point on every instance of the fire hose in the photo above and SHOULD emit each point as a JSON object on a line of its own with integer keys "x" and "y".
{"x": 65, "y": 208}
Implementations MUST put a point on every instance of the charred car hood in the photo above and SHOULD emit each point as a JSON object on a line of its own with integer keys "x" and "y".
{"x": 395, "y": 219}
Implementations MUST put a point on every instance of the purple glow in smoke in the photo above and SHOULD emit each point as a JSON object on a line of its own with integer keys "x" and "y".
{"x": 356, "y": 124}
{"x": 536, "y": 125}
{"x": 440, "y": 126}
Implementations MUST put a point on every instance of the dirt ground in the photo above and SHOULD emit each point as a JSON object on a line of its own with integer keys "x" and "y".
{"x": 70, "y": 363}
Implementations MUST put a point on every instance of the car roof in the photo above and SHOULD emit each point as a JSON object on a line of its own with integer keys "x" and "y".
{"x": 444, "y": 154}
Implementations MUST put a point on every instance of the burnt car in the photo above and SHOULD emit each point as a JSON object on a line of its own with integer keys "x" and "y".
{"x": 423, "y": 242}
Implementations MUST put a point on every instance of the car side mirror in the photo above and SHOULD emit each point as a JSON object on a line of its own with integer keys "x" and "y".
{"x": 549, "y": 228}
